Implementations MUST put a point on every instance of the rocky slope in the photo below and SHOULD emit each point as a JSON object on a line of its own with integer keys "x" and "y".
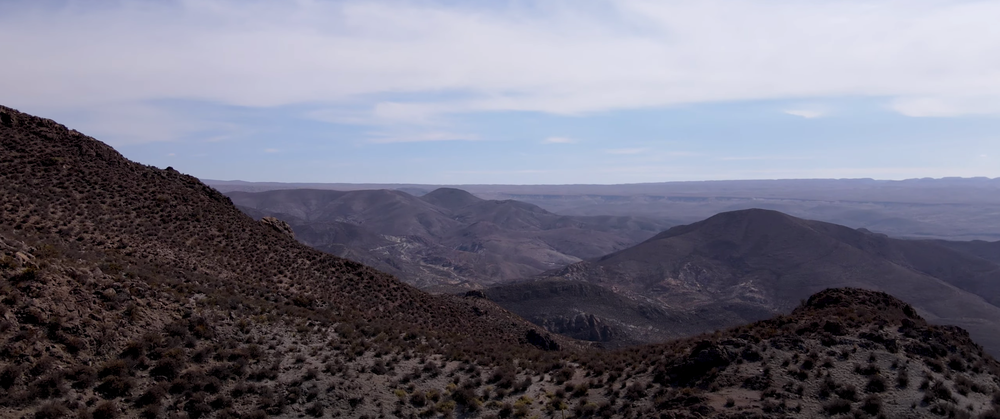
{"x": 445, "y": 240}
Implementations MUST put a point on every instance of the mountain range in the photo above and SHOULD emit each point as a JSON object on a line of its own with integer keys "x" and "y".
{"x": 747, "y": 265}
{"x": 445, "y": 240}
{"x": 132, "y": 291}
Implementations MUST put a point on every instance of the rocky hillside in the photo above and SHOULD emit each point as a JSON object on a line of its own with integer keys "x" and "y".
{"x": 445, "y": 240}
{"x": 748, "y": 265}
{"x": 128, "y": 291}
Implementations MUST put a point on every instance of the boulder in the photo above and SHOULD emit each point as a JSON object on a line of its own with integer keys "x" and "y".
{"x": 278, "y": 225}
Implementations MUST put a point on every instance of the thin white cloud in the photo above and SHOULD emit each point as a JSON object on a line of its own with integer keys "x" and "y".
{"x": 559, "y": 57}
{"x": 559, "y": 140}
{"x": 752, "y": 158}
{"x": 271, "y": 150}
{"x": 805, "y": 113}
{"x": 627, "y": 150}
{"x": 383, "y": 138}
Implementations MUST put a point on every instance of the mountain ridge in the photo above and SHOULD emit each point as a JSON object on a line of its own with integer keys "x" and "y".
{"x": 446, "y": 239}
{"x": 750, "y": 264}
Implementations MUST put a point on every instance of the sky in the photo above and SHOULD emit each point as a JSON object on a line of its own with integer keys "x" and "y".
{"x": 518, "y": 92}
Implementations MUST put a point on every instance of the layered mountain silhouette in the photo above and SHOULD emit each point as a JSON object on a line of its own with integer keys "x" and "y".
{"x": 130, "y": 291}
{"x": 447, "y": 239}
{"x": 747, "y": 265}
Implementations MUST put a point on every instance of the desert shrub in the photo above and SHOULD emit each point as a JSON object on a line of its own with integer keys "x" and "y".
{"x": 152, "y": 395}
{"x": 902, "y": 379}
{"x": 168, "y": 368}
{"x": 49, "y": 385}
{"x": 464, "y": 396}
{"x": 848, "y": 392}
{"x": 867, "y": 370}
{"x": 937, "y": 391}
{"x": 872, "y": 405}
{"x": 115, "y": 367}
{"x": 876, "y": 384}
{"x": 417, "y": 399}
{"x": 964, "y": 385}
{"x": 105, "y": 410}
{"x": 837, "y": 407}
{"x": 315, "y": 409}
{"x": 196, "y": 407}
{"x": 52, "y": 410}
{"x": 506, "y": 410}
{"x": 9, "y": 375}
{"x": 115, "y": 386}
{"x": 956, "y": 364}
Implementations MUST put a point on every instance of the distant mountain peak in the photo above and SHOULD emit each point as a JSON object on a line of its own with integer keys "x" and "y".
{"x": 732, "y": 221}
{"x": 450, "y": 198}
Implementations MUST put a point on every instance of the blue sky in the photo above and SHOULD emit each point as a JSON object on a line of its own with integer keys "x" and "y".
{"x": 518, "y": 91}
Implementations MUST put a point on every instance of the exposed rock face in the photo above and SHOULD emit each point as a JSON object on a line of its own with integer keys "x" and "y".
{"x": 582, "y": 326}
{"x": 279, "y": 225}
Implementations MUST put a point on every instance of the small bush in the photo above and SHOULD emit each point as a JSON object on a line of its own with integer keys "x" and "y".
{"x": 872, "y": 405}
{"x": 115, "y": 386}
{"x": 315, "y": 409}
{"x": 105, "y": 410}
{"x": 53, "y": 410}
{"x": 837, "y": 406}
{"x": 848, "y": 392}
{"x": 902, "y": 379}
{"x": 876, "y": 384}
{"x": 152, "y": 396}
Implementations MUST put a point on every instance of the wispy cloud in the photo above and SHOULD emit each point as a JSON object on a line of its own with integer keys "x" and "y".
{"x": 271, "y": 150}
{"x": 627, "y": 150}
{"x": 289, "y": 52}
{"x": 383, "y": 138}
{"x": 805, "y": 113}
{"x": 752, "y": 158}
{"x": 559, "y": 140}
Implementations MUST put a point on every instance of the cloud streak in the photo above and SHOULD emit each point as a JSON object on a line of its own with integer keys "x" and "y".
{"x": 555, "y": 58}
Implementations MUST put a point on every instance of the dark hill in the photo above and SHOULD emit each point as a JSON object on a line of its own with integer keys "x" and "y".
{"x": 446, "y": 240}
{"x": 746, "y": 265}
{"x": 450, "y": 198}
